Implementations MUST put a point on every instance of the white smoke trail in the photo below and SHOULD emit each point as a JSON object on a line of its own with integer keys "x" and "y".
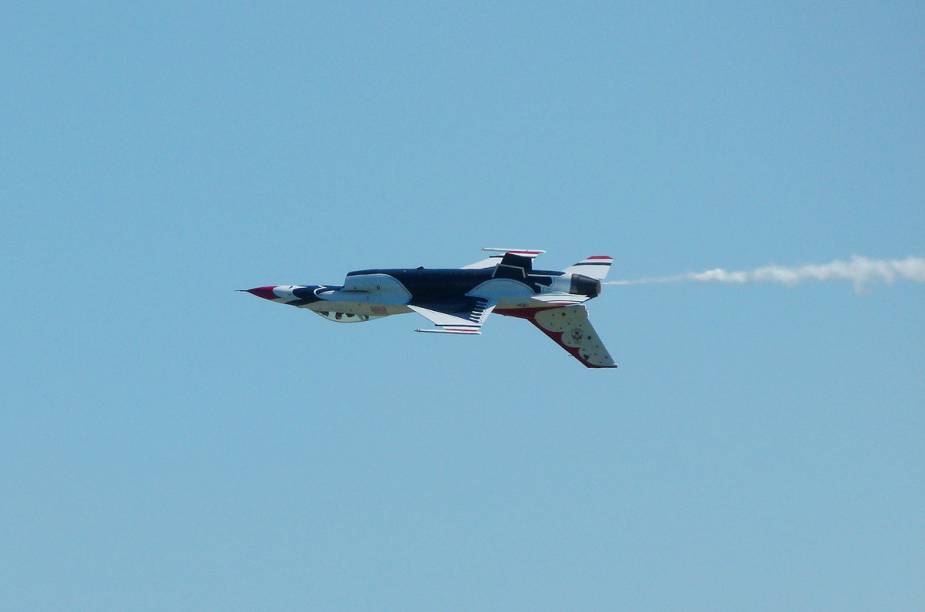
{"x": 861, "y": 271}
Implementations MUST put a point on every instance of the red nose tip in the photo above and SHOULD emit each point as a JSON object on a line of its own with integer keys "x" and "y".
{"x": 264, "y": 292}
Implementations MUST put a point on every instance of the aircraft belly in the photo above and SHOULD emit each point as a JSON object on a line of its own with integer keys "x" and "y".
{"x": 358, "y": 308}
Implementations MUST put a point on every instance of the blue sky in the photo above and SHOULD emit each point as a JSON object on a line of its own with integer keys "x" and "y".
{"x": 170, "y": 444}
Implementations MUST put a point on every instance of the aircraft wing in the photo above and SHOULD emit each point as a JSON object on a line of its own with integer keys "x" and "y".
{"x": 569, "y": 327}
{"x": 465, "y": 316}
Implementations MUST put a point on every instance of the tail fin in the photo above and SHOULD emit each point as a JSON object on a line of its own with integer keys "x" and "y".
{"x": 596, "y": 266}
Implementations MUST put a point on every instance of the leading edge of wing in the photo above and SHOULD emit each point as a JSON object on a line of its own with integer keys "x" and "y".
{"x": 569, "y": 327}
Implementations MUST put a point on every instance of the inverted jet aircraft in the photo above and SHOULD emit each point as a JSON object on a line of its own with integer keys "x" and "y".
{"x": 459, "y": 300}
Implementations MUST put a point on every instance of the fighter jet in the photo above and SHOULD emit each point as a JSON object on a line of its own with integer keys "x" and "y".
{"x": 459, "y": 300}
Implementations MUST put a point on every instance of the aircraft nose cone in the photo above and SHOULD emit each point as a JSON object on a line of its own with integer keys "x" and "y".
{"x": 263, "y": 292}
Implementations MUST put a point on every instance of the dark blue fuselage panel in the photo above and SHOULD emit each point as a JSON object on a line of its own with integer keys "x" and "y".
{"x": 431, "y": 285}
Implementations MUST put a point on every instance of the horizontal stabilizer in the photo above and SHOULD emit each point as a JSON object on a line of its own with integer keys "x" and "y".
{"x": 596, "y": 266}
{"x": 466, "y": 331}
{"x": 465, "y": 317}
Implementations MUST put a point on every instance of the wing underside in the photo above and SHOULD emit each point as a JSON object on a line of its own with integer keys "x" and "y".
{"x": 569, "y": 327}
